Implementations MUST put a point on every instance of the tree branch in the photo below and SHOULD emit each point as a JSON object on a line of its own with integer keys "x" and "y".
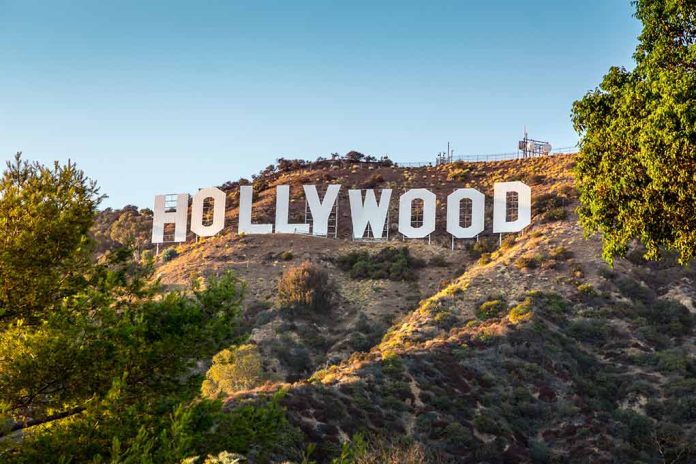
{"x": 33, "y": 422}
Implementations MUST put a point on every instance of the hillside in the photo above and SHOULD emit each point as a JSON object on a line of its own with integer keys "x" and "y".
{"x": 534, "y": 351}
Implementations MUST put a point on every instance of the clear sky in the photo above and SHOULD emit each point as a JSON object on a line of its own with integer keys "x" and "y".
{"x": 168, "y": 96}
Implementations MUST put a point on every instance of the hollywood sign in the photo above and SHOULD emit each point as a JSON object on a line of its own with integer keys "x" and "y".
{"x": 365, "y": 211}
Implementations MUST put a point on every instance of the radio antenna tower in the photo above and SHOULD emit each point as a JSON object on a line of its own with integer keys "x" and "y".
{"x": 444, "y": 158}
{"x": 532, "y": 148}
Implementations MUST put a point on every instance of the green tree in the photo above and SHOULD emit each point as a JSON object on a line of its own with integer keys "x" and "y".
{"x": 132, "y": 229}
{"x": 45, "y": 214}
{"x": 97, "y": 361}
{"x": 637, "y": 164}
{"x": 234, "y": 369}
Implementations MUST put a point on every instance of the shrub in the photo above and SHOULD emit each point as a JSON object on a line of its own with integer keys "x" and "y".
{"x": 539, "y": 451}
{"x": 668, "y": 317}
{"x": 546, "y": 202}
{"x": 146, "y": 257}
{"x": 168, "y": 254}
{"x": 375, "y": 180}
{"x": 255, "y": 430}
{"x": 636, "y": 428}
{"x": 508, "y": 242}
{"x": 457, "y": 435}
{"x": 637, "y": 256}
{"x": 458, "y": 174}
{"x": 389, "y": 263}
{"x": 486, "y": 424}
{"x": 286, "y": 255}
{"x": 577, "y": 271}
{"x": 674, "y": 360}
{"x": 556, "y": 214}
{"x": 633, "y": 289}
{"x": 560, "y": 253}
{"x": 551, "y": 304}
{"x": 294, "y": 356}
{"x": 366, "y": 333}
{"x": 305, "y": 286}
{"x": 439, "y": 261}
{"x": 589, "y": 330}
{"x": 587, "y": 290}
{"x": 533, "y": 179}
{"x": 528, "y": 261}
{"x": 233, "y": 369}
{"x": 260, "y": 184}
{"x": 384, "y": 452}
{"x": 483, "y": 245}
{"x": 264, "y": 317}
{"x": 445, "y": 318}
{"x": 522, "y": 311}
{"x": 491, "y": 309}
{"x": 392, "y": 365}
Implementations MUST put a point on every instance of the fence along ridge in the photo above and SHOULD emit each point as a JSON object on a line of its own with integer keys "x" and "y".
{"x": 488, "y": 157}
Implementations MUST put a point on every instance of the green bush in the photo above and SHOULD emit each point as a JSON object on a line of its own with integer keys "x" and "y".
{"x": 529, "y": 261}
{"x": 457, "y": 435}
{"x": 634, "y": 290}
{"x": 147, "y": 257}
{"x": 546, "y": 202}
{"x": 589, "y": 330}
{"x": 587, "y": 290}
{"x": 294, "y": 356}
{"x": 392, "y": 365}
{"x": 668, "y": 317}
{"x": 234, "y": 369}
{"x": 636, "y": 428}
{"x": 168, "y": 254}
{"x": 491, "y": 309}
{"x": 388, "y": 263}
{"x": 522, "y": 311}
{"x": 487, "y": 424}
{"x": 540, "y": 452}
{"x": 675, "y": 360}
{"x": 552, "y": 304}
{"x": 556, "y": 214}
{"x": 255, "y": 430}
{"x": 482, "y": 246}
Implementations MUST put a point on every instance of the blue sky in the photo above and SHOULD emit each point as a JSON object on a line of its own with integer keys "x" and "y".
{"x": 169, "y": 96}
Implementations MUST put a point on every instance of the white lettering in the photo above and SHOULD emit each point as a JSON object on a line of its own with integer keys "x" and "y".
{"x": 369, "y": 212}
{"x": 283, "y": 211}
{"x": 478, "y": 205}
{"x": 321, "y": 210}
{"x": 219, "y": 198}
{"x": 406, "y": 212}
{"x": 500, "y": 206}
{"x": 246, "y": 193}
{"x": 177, "y": 217}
